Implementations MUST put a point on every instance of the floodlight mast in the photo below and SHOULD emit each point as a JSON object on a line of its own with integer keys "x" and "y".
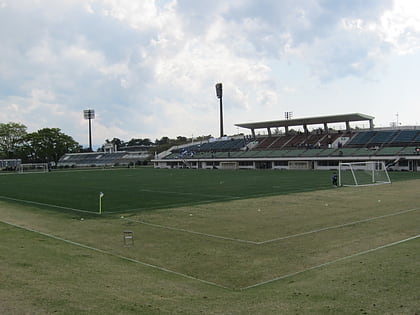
{"x": 89, "y": 114}
{"x": 219, "y": 93}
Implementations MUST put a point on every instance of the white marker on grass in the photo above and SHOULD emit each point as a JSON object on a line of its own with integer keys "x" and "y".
{"x": 101, "y": 194}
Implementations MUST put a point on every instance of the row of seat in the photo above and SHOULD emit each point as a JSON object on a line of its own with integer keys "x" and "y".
{"x": 391, "y": 137}
{"x": 386, "y": 151}
{"x": 223, "y": 145}
{"x": 99, "y": 158}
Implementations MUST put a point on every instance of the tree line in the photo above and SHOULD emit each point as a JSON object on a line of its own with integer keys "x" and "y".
{"x": 44, "y": 145}
{"x": 158, "y": 145}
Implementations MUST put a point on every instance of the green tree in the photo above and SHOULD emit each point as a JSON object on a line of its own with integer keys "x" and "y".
{"x": 48, "y": 145}
{"x": 118, "y": 142}
{"x": 11, "y": 139}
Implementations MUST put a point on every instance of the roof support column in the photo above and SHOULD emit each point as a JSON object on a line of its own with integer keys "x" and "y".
{"x": 286, "y": 130}
{"x": 253, "y": 133}
{"x": 347, "y": 125}
{"x": 371, "y": 124}
{"x": 325, "y": 127}
{"x": 305, "y": 129}
{"x": 269, "y": 131}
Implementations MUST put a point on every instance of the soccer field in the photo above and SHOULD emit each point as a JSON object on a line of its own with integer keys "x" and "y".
{"x": 268, "y": 241}
{"x": 131, "y": 190}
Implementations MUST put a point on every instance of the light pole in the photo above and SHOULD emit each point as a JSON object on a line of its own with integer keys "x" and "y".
{"x": 219, "y": 93}
{"x": 89, "y": 114}
{"x": 288, "y": 115}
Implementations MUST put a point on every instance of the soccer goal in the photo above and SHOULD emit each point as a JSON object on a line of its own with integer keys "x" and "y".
{"x": 33, "y": 168}
{"x": 363, "y": 174}
{"x": 229, "y": 165}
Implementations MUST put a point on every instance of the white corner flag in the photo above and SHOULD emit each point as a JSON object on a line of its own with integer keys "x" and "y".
{"x": 101, "y": 194}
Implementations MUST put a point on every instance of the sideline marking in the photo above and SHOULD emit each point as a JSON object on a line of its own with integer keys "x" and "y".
{"x": 188, "y": 194}
{"x": 331, "y": 262}
{"x": 116, "y": 255}
{"x": 275, "y": 239}
{"x": 47, "y": 204}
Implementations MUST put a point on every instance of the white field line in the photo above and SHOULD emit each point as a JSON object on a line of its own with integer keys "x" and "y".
{"x": 117, "y": 255}
{"x": 331, "y": 262}
{"x": 275, "y": 239}
{"x": 47, "y": 204}
{"x": 339, "y": 226}
{"x": 188, "y": 194}
{"x": 104, "y": 212}
{"x": 191, "y": 232}
{"x": 172, "y": 206}
{"x": 275, "y": 193}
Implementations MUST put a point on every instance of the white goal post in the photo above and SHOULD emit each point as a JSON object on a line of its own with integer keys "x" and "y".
{"x": 363, "y": 173}
{"x": 33, "y": 168}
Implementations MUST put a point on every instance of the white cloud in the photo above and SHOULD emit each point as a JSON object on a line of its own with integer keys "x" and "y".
{"x": 149, "y": 68}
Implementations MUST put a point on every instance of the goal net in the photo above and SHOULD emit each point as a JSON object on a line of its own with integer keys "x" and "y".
{"x": 229, "y": 165}
{"x": 363, "y": 174}
{"x": 33, "y": 168}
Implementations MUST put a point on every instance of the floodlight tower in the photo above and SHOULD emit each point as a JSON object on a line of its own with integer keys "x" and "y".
{"x": 288, "y": 115}
{"x": 219, "y": 93}
{"x": 89, "y": 114}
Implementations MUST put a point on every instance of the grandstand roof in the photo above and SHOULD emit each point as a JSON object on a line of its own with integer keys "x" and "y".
{"x": 347, "y": 118}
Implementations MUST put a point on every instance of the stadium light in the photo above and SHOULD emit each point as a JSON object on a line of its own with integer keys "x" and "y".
{"x": 219, "y": 93}
{"x": 89, "y": 114}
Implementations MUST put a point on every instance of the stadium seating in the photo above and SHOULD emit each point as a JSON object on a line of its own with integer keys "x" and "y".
{"x": 382, "y": 137}
{"x": 361, "y": 138}
{"x": 405, "y": 136}
{"x": 101, "y": 159}
{"x": 319, "y": 150}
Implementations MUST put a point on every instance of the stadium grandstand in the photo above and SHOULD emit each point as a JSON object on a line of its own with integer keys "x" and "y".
{"x": 108, "y": 158}
{"x": 321, "y": 148}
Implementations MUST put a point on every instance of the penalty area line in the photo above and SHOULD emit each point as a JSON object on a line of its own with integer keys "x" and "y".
{"x": 118, "y": 256}
{"x": 191, "y": 232}
{"x": 338, "y": 226}
{"x": 331, "y": 262}
{"x": 327, "y": 228}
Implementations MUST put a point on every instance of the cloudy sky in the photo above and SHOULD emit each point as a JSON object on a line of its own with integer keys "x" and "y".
{"x": 149, "y": 67}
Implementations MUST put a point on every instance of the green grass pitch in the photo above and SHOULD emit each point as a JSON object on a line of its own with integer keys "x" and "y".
{"x": 208, "y": 241}
{"x": 144, "y": 189}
